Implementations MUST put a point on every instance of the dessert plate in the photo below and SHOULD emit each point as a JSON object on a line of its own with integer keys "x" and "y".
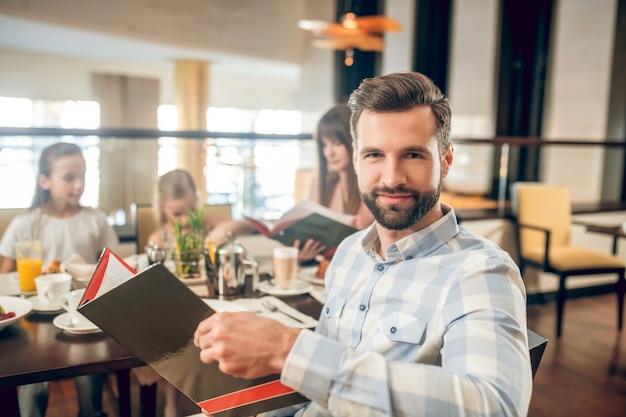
{"x": 298, "y": 287}
{"x": 82, "y": 327}
{"x": 308, "y": 275}
{"x": 17, "y": 305}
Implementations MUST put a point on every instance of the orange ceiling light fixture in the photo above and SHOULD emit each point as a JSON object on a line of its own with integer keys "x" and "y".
{"x": 364, "y": 33}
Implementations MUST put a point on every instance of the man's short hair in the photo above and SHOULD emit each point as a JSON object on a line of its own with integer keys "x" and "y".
{"x": 399, "y": 92}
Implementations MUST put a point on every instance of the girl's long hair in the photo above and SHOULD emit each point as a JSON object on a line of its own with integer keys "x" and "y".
{"x": 335, "y": 124}
{"x": 48, "y": 156}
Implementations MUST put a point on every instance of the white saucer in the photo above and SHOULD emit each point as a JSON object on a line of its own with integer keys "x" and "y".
{"x": 223, "y": 305}
{"x": 43, "y": 308}
{"x": 83, "y": 327}
{"x": 308, "y": 275}
{"x": 298, "y": 287}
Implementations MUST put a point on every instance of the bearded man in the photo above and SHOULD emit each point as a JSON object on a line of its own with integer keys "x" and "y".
{"x": 422, "y": 317}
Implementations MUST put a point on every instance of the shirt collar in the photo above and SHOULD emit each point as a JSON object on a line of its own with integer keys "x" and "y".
{"x": 418, "y": 244}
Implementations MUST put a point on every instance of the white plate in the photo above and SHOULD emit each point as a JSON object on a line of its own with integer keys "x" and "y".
{"x": 42, "y": 308}
{"x": 9, "y": 284}
{"x": 223, "y": 305}
{"x": 298, "y": 287}
{"x": 19, "y": 306}
{"x": 308, "y": 275}
{"x": 83, "y": 327}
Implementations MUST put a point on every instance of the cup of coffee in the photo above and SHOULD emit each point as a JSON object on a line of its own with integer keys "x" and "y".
{"x": 29, "y": 263}
{"x": 285, "y": 261}
{"x": 51, "y": 287}
{"x": 69, "y": 301}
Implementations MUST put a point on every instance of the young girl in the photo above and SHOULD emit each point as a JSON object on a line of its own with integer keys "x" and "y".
{"x": 176, "y": 194}
{"x": 335, "y": 185}
{"x": 64, "y": 228}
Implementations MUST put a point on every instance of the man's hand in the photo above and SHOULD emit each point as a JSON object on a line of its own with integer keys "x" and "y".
{"x": 244, "y": 344}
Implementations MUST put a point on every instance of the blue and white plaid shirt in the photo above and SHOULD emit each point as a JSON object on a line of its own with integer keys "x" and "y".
{"x": 438, "y": 329}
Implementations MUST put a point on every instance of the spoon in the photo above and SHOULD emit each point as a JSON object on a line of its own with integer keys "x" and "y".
{"x": 274, "y": 308}
{"x": 70, "y": 323}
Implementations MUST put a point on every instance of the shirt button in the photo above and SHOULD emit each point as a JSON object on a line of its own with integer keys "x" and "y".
{"x": 327, "y": 310}
{"x": 362, "y": 307}
{"x": 393, "y": 330}
{"x": 380, "y": 268}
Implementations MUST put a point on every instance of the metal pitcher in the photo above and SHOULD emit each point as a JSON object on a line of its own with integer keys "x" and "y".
{"x": 230, "y": 268}
{"x": 155, "y": 253}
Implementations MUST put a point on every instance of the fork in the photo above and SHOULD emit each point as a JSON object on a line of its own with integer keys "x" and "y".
{"x": 269, "y": 305}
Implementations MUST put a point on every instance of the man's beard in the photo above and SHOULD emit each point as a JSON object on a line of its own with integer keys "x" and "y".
{"x": 401, "y": 216}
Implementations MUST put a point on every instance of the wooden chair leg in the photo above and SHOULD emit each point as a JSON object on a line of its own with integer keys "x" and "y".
{"x": 560, "y": 305}
{"x": 621, "y": 290}
{"x": 123, "y": 389}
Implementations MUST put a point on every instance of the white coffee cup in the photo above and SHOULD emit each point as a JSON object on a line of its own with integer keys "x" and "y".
{"x": 50, "y": 287}
{"x": 69, "y": 302}
{"x": 285, "y": 259}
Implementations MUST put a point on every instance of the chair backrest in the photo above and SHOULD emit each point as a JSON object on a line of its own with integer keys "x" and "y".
{"x": 6, "y": 215}
{"x": 145, "y": 221}
{"x": 218, "y": 211}
{"x": 545, "y": 206}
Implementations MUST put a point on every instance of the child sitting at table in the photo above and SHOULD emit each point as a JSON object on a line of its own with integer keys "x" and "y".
{"x": 176, "y": 194}
{"x": 64, "y": 228}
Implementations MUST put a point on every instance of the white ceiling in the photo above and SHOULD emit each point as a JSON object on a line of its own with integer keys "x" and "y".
{"x": 37, "y": 37}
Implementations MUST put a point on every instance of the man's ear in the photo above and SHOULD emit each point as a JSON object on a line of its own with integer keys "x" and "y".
{"x": 446, "y": 161}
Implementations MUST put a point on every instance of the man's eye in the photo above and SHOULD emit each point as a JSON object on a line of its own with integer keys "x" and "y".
{"x": 373, "y": 155}
{"x": 414, "y": 155}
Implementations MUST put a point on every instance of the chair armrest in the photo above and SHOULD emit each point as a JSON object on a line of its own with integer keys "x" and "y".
{"x": 546, "y": 259}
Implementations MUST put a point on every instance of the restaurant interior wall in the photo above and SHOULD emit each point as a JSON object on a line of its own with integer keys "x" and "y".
{"x": 52, "y": 77}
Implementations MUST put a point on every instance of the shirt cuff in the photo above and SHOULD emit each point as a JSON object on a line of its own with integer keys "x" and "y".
{"x": 311, "y": 365}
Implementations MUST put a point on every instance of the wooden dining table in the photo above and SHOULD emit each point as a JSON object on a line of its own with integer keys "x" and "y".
{"x": 34, "y": 350}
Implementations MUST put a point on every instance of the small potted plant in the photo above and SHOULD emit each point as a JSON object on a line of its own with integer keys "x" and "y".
{"x": 189, "y": 246}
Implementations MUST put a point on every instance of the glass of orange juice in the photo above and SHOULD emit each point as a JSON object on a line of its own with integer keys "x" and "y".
{"x": 29, "y": 263}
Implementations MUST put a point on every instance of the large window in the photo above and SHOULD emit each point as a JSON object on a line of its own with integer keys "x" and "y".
{"x": 243, "y": 172}
{"x": 19, "y": 156}
{"x": 239, "y": 171}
